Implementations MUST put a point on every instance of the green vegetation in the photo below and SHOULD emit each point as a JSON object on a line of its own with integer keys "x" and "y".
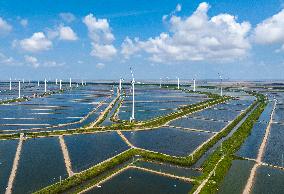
{"x": 229, "y": 147}
{"x": 106, "y": 168}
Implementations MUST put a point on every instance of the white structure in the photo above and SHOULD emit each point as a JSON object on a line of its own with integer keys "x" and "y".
{"x": 23, "y": 80}
{"x": 194, "y": 85}
{"x": 10, "y": 84}
{"x": 77, "y": 85}
{"x": 19, "y": 89}
{"x": 160, "y": 82}
{"x": 178, "y": 83}
{"x": 38, "y": 83}
{"x": 60, "y": 84}
{"x": 221, "y": 87}
{"x": 119, "y": 84}
{"x": 45, "y": 85}
{"x": 56, "y": 81}
{"x": 82, "y": 82}
{"x": 70, "y": 82}
{"x": 132, "y": 118}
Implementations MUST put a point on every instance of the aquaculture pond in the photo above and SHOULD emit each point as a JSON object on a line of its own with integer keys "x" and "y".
{"x": 140, "y": 182}
{"x": 216, "y": 114}
{"x": 168, "y": 140}
{"x": 236, "y": 179}
{"x": 87, "y": 150}
{"x": 192, "y": 123}
{"x": 153, "y": 101}
{"x": 72, "y": 106}
{"x": 41, "y": 164}
{"x": 274, "y": 152}
{"x": 7, "y": 154}
{"x": 268, "y": 180}
{"x": 168, "y": 168}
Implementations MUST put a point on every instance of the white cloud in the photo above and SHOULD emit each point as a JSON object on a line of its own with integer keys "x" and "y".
{"x": 195, "y": 38}
{"x": 66, "y": 33}
{"x": 62, "y": 33}
{"x": 24, "y": 22}
{"x": 103, "y": 51}
{"x": 270, "y": 30}
{"x": 99, "y": 30}
{"x": 67, "y": 17}
{"x": 33, "y": 61}
{"x": 100, "y": 33}
{"x": 5, "y": 60}
{"x": 100, "y": 65}
{"x": 37, "y": 42}
{"x": 4, "y": 26}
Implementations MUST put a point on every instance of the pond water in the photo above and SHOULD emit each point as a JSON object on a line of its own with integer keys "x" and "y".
{"x": 7, "y": 153}
{"x": 236, "y": 179}
{"x": 166, "y": 140}
{"x": 87, "y": 150}
{"x": 140, "y": 182}
{"x": 168, "y": 168}
{"x": 268, "y": 180}
{"x": 41, "y": 164}
{"x": 192, "y": 123}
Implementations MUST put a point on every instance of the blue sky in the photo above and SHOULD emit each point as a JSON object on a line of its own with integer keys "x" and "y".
{"x": 161, "y": 38}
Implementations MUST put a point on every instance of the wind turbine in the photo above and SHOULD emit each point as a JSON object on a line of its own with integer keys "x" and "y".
{"x": 194, "y": 85}
{"x": 178, "y": 83}
{"x": 70, "y": 82}
{"x": 44, "y": 85}
{"x": 160, "y": 82}
{"x": 221, "y": 92}
{"x": 56, "y": 81}
{"x": 60, "y": 84}
{"x": 10, "y": 84}
{"x": 132, "y": 118}
{"x": 19, "y": 89}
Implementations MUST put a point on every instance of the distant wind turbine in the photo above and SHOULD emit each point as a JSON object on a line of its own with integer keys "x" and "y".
{"x": 132, "y": 118}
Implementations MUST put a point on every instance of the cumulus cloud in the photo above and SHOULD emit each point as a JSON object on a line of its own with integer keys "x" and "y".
{"x": 103, "y": 51}
{"x": 271, "y": 30}
{"x": 24, "y": 22}
{"x": 101, "y": 36}
{"x": 62, "y": 33}
{"x": 5, "y": 60}
{"x": 67, "y": 17}
{"x": 37, "y": 42}
{"x": 4, "y": 26}
{"x": 195, "y": 38}
{"x": 100, "y": 65}
{"x": 66, "y": 33}
{"x": 33, "y": 61}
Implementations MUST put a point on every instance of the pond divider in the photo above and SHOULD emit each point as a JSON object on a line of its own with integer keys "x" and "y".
{"x": 65, "y": 153}
{"x": 15, "y": 165}
{"x": 125, "y": 139}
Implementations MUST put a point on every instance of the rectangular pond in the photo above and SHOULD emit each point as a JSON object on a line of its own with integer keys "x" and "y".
{"x": 87, "y": 150}
{"x": 41, "y": 164}
{"x": 168, "y": 140}
{"x": 140, "y": 182}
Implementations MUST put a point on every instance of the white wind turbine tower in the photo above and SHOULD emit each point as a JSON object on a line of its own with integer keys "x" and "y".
{"x": 70, "y": 82}
{"x": 10, "y": 84}
{"x": 160, "y": 82}
{"x": 45, "y": 85}
{"x": 60, "y": 84}
{"x": 56, "y": 81}
{"x": 194, "y": 89}
{"x": 178, "y": 83}
{"x": 120, "y": 80}
{"x": 132, "y": 118}
{"x": 221, "y": 92}
{"x": 19, "y": 89}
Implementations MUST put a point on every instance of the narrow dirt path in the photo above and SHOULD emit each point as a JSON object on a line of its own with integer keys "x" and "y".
{"x": 65, "y": 152}
{"x": 125, "y": 139}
